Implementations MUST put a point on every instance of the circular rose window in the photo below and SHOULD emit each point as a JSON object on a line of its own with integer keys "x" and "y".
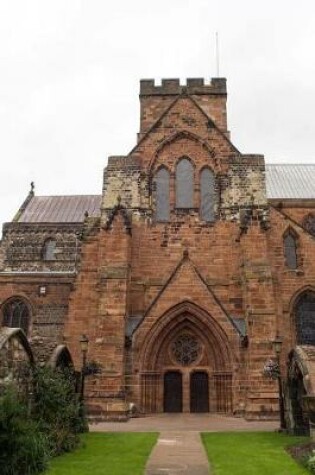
{"x": 185, "y": 349}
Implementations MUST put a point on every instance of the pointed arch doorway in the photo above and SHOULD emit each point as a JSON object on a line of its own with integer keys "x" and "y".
{"x": 186, "y": 364}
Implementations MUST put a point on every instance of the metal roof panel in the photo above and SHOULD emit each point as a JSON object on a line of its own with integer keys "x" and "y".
{"x": 60, "y": 209}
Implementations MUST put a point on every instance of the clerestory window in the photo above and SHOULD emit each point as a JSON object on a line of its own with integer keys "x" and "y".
{"x": 162, "y": 184}
{"x": 207, "y": 195}
{"x": 184, "y": 184}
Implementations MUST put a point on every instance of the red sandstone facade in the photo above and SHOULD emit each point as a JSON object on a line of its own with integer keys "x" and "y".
{"x": 180, "y": 312}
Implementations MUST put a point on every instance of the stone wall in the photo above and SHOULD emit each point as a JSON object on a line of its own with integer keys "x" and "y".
{"x": 23, "y": 244}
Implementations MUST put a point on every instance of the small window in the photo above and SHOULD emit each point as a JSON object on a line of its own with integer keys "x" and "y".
{"x": 162, "y": 183}
{"x": 290, "y": 250}
{"x": 16, "y": 315}
{"x": 184, "y": 184}
{"x": 207, "y": 195}
{"x": 49, "y": 250}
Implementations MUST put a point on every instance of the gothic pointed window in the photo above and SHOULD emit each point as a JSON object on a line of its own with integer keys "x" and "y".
{"x": 305, "y": 319}
{"x": 207, "y": 195}
{"x": 16, "y": 314}
{"x": 162, "y": 183}
{"x": 184, "y": 184}
{"x": 290, "y": 249}
{"x": 49, "y": 250}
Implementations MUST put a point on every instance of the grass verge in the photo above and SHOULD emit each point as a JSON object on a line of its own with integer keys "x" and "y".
{"x": 252, "y": 453}
{"x": 106, "y": 453}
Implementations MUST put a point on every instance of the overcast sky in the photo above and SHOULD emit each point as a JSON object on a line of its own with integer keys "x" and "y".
{"x": 70, "y": 71}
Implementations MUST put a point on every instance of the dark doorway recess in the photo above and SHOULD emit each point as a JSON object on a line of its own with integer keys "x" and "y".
{"x": 173, "y": 392}
{"x": 199, "y": 392}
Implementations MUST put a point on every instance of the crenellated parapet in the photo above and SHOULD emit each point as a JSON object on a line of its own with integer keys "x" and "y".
{"x": 156, "y": 99}
{"x": 195, "y": 86}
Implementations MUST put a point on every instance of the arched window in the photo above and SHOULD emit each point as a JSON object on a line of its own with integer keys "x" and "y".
{"x": 184, "y": 184}
{"x": 207, "y": 195}
{"x": 305, "y": 319}
{"x": 162, "y": 183}
{"x": 16, "y": 314}
{"x": 49, "y": 250}
{"x": 290, "y": 249}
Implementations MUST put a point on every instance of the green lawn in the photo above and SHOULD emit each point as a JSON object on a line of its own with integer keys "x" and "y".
{"x": 251, "y": 453}
{"x": 106, "y": 453}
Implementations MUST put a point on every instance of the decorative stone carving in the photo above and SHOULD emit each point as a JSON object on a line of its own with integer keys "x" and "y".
{"x": 186, "y": 349}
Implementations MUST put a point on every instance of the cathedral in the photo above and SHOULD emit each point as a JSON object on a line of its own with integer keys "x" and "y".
{"x": 181, "y": 274}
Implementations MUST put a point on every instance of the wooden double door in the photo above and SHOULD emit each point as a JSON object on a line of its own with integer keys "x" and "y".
{"x": 198, "y": 391}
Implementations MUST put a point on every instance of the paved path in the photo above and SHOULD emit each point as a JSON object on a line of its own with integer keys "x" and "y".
{"x": 179, "y": 450}
{"x": 178, "y": 453}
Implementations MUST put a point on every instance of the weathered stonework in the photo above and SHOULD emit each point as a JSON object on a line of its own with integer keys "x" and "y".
{"x": 135, "y": 285}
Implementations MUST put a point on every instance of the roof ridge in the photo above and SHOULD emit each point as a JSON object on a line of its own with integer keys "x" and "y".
{"x": 290, "y": 164}
{"x": 67, "y": 196}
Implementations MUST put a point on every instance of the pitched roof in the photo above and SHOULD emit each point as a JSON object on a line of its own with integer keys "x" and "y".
{"x": 284, "y": 181}
{"x": 60, "y": 209}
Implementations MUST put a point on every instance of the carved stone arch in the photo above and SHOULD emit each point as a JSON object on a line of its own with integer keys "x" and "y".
{"x": 209, "y": 353}
{"x": 16, "y": 359}
{"x": 61, "y": 358}
{"x": 8, "y": 334}
{"x": 161, "y": 167}
{"x": 290, "y": 230}
{"x": 119, "y": 209}
{"x": 206, "y": 167}
{"x": 177, "y": 136}
{"x": 184, "y": 157}
{"x": 183, "y": 314}
{"x": 300, "y": 382}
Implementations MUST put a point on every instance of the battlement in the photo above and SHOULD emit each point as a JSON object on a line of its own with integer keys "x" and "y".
{"x": 173, "y": 87}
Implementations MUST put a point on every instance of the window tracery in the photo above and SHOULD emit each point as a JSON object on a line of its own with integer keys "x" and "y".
{"x": 186, "y": 349}
{"x": 16, "y": 314}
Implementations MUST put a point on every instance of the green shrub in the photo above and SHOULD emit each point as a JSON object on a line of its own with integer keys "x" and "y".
{"x": 311, "y": 462}
{"x": 57, "y": 409}
{"x": 23, "y": 447}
